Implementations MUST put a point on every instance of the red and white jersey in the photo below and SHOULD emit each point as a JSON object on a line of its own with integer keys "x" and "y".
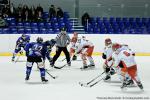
{"x": 84, "y": 44}
{"x": 108, "y": 52}
{"x": 73, "y": 42}
{"x": 126, "y": 56}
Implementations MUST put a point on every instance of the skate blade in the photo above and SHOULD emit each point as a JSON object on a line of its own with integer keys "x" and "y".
{"x": 107, "y": 80}
{"x": 45, "y": 82}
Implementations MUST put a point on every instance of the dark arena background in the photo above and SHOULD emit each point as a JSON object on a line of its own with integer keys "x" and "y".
{"x": 125, "y": 22}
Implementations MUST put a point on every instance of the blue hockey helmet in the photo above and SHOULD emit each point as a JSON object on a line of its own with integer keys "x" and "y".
{"x": 39, "y": 40}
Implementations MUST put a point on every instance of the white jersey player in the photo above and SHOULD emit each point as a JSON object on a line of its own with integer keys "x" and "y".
{"x": 125, "y": 60}
{"x": 107, "y": 55}
{"x": 85, "y": 48}
{"x": 73, "y": 46}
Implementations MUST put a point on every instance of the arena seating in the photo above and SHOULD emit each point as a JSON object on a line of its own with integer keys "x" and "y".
{"x": 51, "y": 26}
{"x": 118, "y": 25}
{"x": 96, "y": 25}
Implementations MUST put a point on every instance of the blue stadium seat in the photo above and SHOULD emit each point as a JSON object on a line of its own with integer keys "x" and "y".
{"x": 111, "y": 19}
{"x": 105, "y": 19}
{"x": 1, "y": 30}
{"x": 61, "y": 25}
{"x": 118, "y": 19}
{"x": 55, "y": 25}
{"x": 103, "y": 31}
{"x": 27, "y": 24}
{"x": 6, "y": 30}
{"x": 48, "y": 25}
{"x": 131, "y": 19}
{"x": 13, "y": 31}
{"x": 34, "y": 25}
{"x": 42, "y": 31}
{"x": 110, "y": 30}
{"x": 124, "y": 19}
{"x": 20, "y": 24}
{"x": 50, "y": 31}
{"x": 95, "y": 30}
{"x": 45, "y": 15}
{"x": 12, "y": 24}
{"x": 21, "y": 30}
{"x": 98, "y": 19}
{"x": 27, "y": 31}
{"x": 60, "y": 20}
{"x": 56, "y": 30}
{"x": 66, "y": 15}
{"x": 139, "y": 30}
{"x": 41, "y": 25}
{"x": 35, "y": 30}
{"x": 53, "y": 19}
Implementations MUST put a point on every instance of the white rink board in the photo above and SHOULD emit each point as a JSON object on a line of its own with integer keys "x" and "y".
{"x": 138, "y": 43}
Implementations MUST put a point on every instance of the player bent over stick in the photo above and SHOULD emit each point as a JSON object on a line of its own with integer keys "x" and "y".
{"x": 73, "y": 46}
{"x": 85, "y": 48}
{"x": 125, "y": 60}
{"x": 35, "y": 52}
{"x": 108, "y": 69}
{"x": 20, "y": 43}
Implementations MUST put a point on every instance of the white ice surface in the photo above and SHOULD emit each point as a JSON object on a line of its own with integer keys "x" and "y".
{"x": 66, "y": 86}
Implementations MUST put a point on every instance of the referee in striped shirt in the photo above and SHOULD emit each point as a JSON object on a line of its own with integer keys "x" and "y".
{"x": 62, "y": 41}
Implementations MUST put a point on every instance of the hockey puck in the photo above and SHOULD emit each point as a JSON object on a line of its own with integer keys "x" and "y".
{"x": 81, "y": 83}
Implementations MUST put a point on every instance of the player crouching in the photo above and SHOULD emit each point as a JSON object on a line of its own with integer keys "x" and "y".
{"x": 21, "y": 43}
{"x": 125, "y": 60}
{"x": 85, "y": 48}
{"x": 35, "y": 52}
{"x": 73, "y": 46}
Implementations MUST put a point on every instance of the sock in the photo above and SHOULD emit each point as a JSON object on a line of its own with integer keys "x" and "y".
{"x": 91, "y": 60}
{"x": 28, "y": 70}
{"x": 42, "y": 71}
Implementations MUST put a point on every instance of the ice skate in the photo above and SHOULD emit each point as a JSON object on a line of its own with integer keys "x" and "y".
{"x": 27, "y": 78}
{"x": 84, "y": 67}
{"x": 91, "y": 66}
{"x": 124, "y": 85}
{"x": 107, "y": 78}
{"x": 130, "y": 83}
{"x": 74, "y": 57}
{"x": 44, "y": 80}
{"x": 140, "y": 85}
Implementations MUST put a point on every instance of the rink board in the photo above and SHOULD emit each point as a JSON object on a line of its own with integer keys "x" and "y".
{"x": 138, "y": 43}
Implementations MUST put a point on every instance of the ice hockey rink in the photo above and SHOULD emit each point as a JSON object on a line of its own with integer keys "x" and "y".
{"x": 66, "y": 86}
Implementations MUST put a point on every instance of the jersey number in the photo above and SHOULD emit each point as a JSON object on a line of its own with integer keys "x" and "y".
{"x": 37, "y": 47}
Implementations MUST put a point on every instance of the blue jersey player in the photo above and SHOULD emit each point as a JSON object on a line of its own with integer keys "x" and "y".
{"x": 49, "y": 45}
{"x": 21, "y": 43}
{"x": 35, "y": 52}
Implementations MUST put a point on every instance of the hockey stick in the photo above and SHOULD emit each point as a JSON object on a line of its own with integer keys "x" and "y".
{"x": 60, "y": 66}
{"x": 54, "y": 77}
{"x": 85, "y": 84}
{"x": 63, "y": 59}
{"x": 17, "y": 59}
{"x": 95, "y": 82}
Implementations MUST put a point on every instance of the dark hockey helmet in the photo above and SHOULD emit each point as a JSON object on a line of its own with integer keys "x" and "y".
{"x": 53, "y": 41}
{"x": 39, "y": 40}
{"x": 108, "y": 41}
{"x": 23, "y": 36}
